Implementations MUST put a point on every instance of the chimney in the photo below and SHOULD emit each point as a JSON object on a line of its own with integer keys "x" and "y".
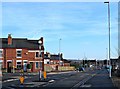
{"x": 41, "y": 39}
{"x": 9, "y": 39}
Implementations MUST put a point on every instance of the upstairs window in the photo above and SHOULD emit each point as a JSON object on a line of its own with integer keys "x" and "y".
{"x": 19, "y": 53}
{"x": 1, "y": 53}
{"x": 37, "y": 54}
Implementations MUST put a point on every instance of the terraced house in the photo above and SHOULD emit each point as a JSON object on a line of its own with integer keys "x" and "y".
{"x": 17, "y": 53}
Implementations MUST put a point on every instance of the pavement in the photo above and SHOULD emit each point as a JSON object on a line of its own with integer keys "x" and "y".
{"x": 116, "y": 81}
{"x": 16, "y": 74}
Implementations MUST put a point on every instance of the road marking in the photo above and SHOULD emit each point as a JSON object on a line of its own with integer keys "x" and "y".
{"x": 82, "y": 82}
{"x": 51, "y": 81}
{"x": 10, "y": 80}
{"x": 13, "y": 80}
{"x": 86, "y": 85}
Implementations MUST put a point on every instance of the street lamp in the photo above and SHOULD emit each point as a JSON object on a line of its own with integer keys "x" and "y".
{"x": 59, "y": 50}
{"x": 107, "y": 57}
{"x": 109, "y": 37}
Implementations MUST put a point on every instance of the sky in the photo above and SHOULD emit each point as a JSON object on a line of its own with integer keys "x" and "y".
{"x": 81, "y": 26}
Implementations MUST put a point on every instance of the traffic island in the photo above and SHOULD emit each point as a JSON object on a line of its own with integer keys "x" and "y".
{"x": 27, "y": 85}
{"x": 42, "y": 80}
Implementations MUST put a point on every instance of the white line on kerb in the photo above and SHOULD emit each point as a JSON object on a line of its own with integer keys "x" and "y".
{"x": 12, "y": 80}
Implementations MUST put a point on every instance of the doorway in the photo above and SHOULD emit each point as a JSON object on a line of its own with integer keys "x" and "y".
{"x": 9, "y": 67}
{"x": 31, "y": 63}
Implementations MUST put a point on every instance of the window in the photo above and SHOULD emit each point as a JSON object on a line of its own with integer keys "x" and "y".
{"x": 51, "y": 62}
{"x": 19, "y": 53}
{"x": 1, "y": 65}
{"x": 40, "y": 54}
{"x": 54, "y": 62}
{"x": 19, "y": 65}
{"x": 48, "y": 62}
{"x": 1, "y": 53}
{"x": 40, "y": 64}
{"x": 37, "y": 54}
{"x": 37, "y": 65}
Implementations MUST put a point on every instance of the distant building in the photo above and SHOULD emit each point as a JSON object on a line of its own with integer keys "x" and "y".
{"x": 114, "y": 63}
{"x": 55, "y": 61}
{"x": 47, "y": 58}
{"x": 16, "y": 53}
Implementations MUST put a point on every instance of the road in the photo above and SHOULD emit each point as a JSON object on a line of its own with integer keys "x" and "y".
{"x": 71, "y": 80}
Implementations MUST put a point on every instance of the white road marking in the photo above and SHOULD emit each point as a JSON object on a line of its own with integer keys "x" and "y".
{"x": 86, "y": 85}
{"x": 51, "y": 81}
{"x": 9, "y": 80}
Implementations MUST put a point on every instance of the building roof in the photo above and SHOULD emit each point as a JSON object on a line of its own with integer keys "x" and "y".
{"x": 54, "y": 57}
{"x": 66, "y": 61}
{"x": 19, "y": 43}
{"x": 46, "y": 56}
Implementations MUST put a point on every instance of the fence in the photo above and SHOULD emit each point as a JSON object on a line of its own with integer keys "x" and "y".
{"x": 49, "y": 68}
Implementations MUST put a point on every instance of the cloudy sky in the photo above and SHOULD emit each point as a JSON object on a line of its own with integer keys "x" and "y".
{"x": 81, "y": 26}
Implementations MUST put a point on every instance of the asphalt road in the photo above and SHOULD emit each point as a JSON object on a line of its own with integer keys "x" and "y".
{"x": 71, "y": 80}
{"x": 100, "y": 80}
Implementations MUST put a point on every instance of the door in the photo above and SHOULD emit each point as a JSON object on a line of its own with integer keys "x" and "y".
{"x": 9, "y": 67}
{"x": 31, "y": 63}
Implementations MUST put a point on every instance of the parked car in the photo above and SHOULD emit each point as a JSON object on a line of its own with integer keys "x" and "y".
{"x": 81, "y": 69}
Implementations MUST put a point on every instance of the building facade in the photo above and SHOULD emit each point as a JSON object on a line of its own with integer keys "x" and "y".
{"x": 17, "y": 53}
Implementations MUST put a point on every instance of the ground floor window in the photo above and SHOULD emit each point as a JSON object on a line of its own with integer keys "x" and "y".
{"x": 25, "y": 66}
{"x": 36, "y": 65}
{"x": 19, "y": 65}
{"x": 1, "y": 65}
{"x": 41, "y": 65}
{"x": 48, "y": 62}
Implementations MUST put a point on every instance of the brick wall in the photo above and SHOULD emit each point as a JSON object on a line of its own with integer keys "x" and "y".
{"x": 10, "y": 54}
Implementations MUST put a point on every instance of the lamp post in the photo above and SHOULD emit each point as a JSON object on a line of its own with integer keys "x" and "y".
{"x": 59, "y": 50}
{"x": 107, "y": 56}
{"x": 41, "y": 52}
{"x": 109, "y": 38}
{"x": 13, "y": 67}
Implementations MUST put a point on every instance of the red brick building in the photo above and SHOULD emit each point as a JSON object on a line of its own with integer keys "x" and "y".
{"x": 16, "y": 53}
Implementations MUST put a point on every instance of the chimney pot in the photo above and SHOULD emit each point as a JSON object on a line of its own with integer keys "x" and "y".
{"x": 9, "y": 39}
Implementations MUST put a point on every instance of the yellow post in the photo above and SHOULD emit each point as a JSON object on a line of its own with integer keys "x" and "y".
{"x": 44, "y": 75}
{"x": 21, "y": 80}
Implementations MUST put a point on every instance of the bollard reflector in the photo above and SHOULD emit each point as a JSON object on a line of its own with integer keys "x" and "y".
{"x": 45, "y": 75}
{"x": 21, "y": 79}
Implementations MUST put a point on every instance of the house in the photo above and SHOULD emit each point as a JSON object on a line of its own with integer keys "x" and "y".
{"x": 56, "y": 59}
{"x": 16, "y": 53}
{"x": 53, "y": 62}
{"x": 47, "y": 58}
{"x": 66, "y": 62}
